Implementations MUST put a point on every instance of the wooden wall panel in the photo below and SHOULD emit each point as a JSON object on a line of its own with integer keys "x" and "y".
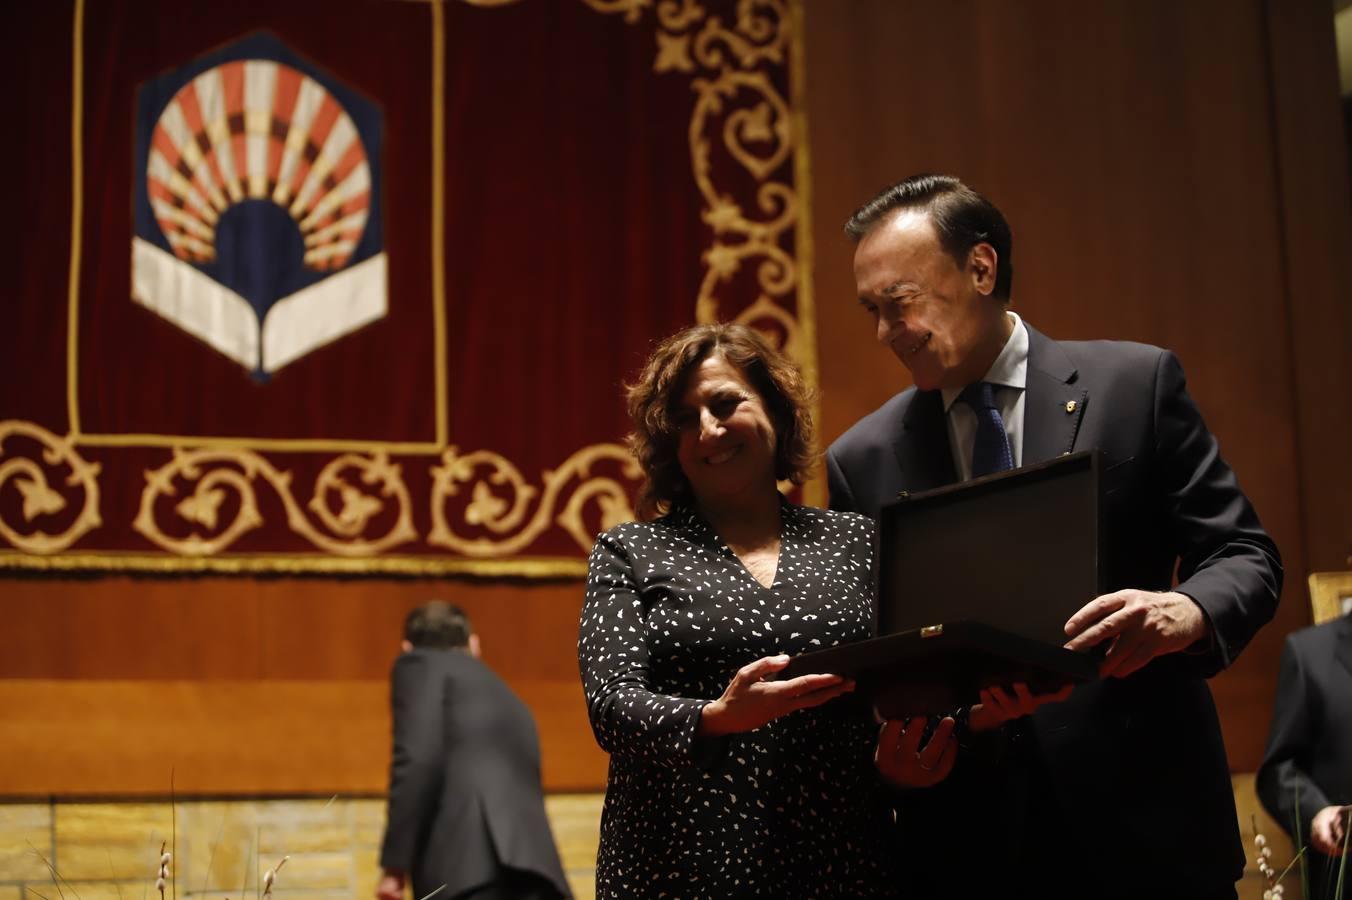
{"x": 245, "y": 738}
{"x": 284, "y": 628}
{"x": 240, "y": 684}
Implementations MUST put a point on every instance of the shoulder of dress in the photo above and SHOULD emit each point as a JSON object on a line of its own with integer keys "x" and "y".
{"x": 640, "y": 539}
{"x": 628, "y": 531}
{"x": 843, "y": 523}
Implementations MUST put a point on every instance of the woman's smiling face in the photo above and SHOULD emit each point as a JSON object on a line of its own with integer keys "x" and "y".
{"x": 726, "y": 438}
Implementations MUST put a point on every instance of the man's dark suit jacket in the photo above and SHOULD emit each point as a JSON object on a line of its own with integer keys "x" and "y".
{"x": 465, "y": 797}
{"x": 1123, "y": 789}
{"x": 1310, "y": 745}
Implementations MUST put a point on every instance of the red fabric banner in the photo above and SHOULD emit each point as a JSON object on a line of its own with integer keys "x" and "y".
{"x": 352, "y": 286}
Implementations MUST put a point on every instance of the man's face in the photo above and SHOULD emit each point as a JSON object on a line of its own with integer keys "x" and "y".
{"x": 937, "y": 316}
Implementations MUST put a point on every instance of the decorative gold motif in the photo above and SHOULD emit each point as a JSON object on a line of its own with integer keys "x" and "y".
{"x": 758, "y": 37}
{"x": 673, "y": 53}
{"x": 762, "y": 311}
{"x": 38, "y": 498}
{"x": 202, "y": 506}
{"x": 215, "y": 476}
{"x": 35, "y": 485}
{"x": 737, "y": 101}
{"x": 678, "y": 15}
{"x": 492, "y": 512}
{"x": 358, "y": 506}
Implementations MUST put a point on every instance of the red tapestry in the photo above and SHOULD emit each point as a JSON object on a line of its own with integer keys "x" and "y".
{"x": 352, "y": 286}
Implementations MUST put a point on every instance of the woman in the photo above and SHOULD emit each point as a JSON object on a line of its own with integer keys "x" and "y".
{"x": 724, "y": 782}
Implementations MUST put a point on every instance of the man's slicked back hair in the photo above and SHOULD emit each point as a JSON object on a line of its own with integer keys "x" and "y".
{"x": 962, "y": 218}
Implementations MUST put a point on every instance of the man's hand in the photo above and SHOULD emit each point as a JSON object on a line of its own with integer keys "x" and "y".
{"x": 1141, "y": 624}
{"x": 390, "y": 886}
{"x": 750, "y": 701}
{"x": 1328, "y": 831}
{"x": 999, "y": 706}
{"x": 902, "y": 761}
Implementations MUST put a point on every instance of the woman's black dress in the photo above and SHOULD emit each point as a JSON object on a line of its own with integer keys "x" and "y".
{"x": 794, "y": 809}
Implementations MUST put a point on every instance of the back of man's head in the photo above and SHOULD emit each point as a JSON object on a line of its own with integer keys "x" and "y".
{"x": 438, "y": 625}
{"x": 961, "y": 217}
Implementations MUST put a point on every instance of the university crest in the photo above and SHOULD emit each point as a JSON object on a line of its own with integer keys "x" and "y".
{"x": 257, "y": 204}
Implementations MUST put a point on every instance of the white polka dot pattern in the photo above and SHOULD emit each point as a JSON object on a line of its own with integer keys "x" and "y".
{"x": 794, "y": 809}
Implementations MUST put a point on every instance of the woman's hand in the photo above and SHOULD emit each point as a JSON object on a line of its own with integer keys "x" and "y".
{"x": 751, "y": 701}
{"x": 901, "y": 760}
{"x": 997, "y": 706}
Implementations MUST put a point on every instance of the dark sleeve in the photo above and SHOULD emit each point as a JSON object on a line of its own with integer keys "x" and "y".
{"x": 418, "y": 759}
{"x": 841, "y": 497}
{"x": 1283, "y": 780}
{"x": 627, "y": 716}
{"x": 1227, "y": 562}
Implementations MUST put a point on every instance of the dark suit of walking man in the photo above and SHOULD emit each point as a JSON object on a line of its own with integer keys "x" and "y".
{"x": 1121, "y": 790}
{"x": 1309, "y": 749}
{"x": 465, "y": 809}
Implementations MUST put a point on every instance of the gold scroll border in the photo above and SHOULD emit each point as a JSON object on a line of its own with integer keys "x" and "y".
{"x": 324, "y": 563}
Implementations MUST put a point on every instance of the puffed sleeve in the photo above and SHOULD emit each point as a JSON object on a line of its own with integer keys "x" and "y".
{"x": 627, "y": 717}
{"x": 1227, "y": 562}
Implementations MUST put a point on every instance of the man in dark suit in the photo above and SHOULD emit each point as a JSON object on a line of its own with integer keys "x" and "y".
{"x": 1309, "y": 751}
{"x": 1122, "y": 789}
{"x": 466, "y": 809}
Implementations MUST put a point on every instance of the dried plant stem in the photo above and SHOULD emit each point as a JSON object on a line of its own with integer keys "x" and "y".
{"x": 1295, "y": 859}
{"x": 56, "y": 876}
{"x": 173, "y": 837}
{"x": 244, "y": 888}
{"x": 211, "y": 858}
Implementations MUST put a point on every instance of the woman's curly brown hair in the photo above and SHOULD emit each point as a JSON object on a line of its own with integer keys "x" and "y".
{"x": 654, "y": 396}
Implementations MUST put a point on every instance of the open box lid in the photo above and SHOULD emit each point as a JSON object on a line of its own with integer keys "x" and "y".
{"x": 975, "y": 584}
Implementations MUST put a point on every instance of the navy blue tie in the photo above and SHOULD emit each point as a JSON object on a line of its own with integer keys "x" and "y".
{"x": 990, "y": 449}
